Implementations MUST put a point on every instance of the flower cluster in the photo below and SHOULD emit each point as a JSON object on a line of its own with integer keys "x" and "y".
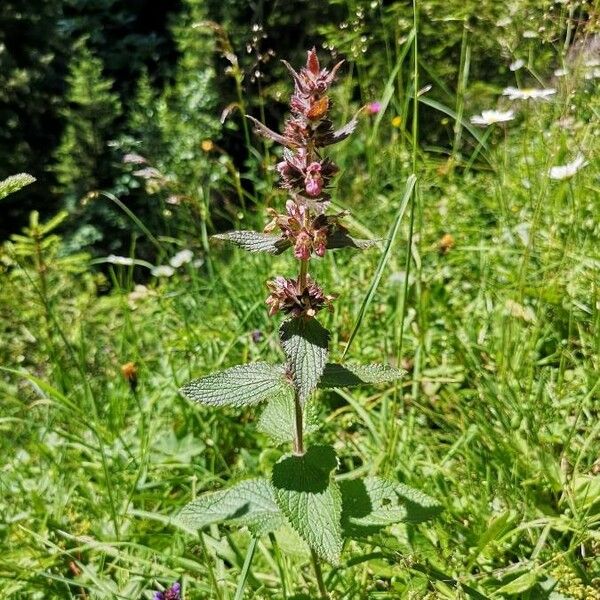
{"x": 305, "y": 232}
{"x": 306, "y": 175}
{"x": 293, "y": 297}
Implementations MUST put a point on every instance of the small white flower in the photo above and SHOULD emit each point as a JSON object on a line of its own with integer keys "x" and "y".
{"x": 505, "y": 22}
{"x": 568, "y": 170}
{"x": 530, "y": 35}
{"x": 517, "y": 64}
{"x": 163, "y": 271}
{"x": 181, "y": 258}
{"x": 120, "y": 260}
{"x": 489, "y": 117}
{"x": 561, "y": 72}
{"x": 593, "y": 74}
{"x": 527, "y": 93}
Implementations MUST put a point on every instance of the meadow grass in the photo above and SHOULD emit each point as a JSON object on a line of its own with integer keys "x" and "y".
{"x": 484, "y": 287}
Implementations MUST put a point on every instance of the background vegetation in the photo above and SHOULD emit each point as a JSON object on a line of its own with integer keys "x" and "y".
{"x": 130, "y": 117}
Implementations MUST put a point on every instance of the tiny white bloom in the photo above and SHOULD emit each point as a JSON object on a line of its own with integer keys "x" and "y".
{"x": 514, "y": 93}
{"x": 504, "y": 22}
{"x": 517, "y": 64}
{"x": 561, "y": 72}
{"x": 530, "y": 35}
{"x": 163, "y": 271}
{"x": 120, "y": 260}
{"x": 568, "y": 170}
{"x": 593, "y": 74}
{"x": 489, "y": 117}
{"x": 181, "y": 258}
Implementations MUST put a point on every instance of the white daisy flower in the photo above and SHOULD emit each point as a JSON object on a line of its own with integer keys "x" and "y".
{"x": 163, "y": 271}
{"x": 514, "y": 93}
{"x": 120, "y": 260}
{"x": 489, "y": 117}
{"x": 568, "y": 170}
{"x": 181, "y": 258}
{"x": 517, "y": 64}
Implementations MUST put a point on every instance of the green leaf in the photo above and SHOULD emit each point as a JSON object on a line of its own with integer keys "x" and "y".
{"x": 14, "y": 183}
{"x": 373, "y": 502}
{"x": 254, "y": 241}
{"x": 249, "y": 503}
{"x": 340, "y": 238}
{"x": 345, "y": 375}
{"x": 244, "y": 385}
{"x": 522, "y": 583}
{"x": 278, "y": 418}
{"x": 311, "y": 500}
{"x": 304, "y": 342}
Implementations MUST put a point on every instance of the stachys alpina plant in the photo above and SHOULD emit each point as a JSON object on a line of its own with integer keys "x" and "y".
{"x": 302, "y": 493}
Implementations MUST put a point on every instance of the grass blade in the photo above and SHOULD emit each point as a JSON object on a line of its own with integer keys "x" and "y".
{"x": 408, "y": 191}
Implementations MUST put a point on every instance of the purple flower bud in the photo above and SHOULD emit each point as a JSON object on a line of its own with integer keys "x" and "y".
{"x": 171, "y": 593}
{"x": 314, "y": 180}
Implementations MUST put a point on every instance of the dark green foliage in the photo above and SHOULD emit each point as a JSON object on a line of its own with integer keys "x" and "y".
{"x": 84, "y": 161}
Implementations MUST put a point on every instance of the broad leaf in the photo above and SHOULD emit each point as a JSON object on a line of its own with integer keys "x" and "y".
{"x": 255, "y": 241}
{"x": 244, "y": 385}
{"x": 336, "y": 375}
{"x": 311, "y": 500}
{"x": 278, "y": 418}
{"x": 14, "y": 183}
{"x": 251, "y": 503}
{"x": 304, "y": 342}
{"x": 373, "y": 502}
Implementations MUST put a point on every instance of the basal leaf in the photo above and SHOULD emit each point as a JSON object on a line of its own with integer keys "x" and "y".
{"x": 251, "y": 503}
{"x": 304, "y": 342}
{"x": 278, "y": 418}
{"x": 311, "y": 500}
{"x": 14, "y": 183}
{"x": 255, "y": 241}
{"x": 244, "y": 385}
{"x": 373, "y": 502}
{"x": 347, "y": 375}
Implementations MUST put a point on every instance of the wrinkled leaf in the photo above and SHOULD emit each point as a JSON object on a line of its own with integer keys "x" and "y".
{"x": 249, "y": 503}
{"x": 278, "y": 418}
{"x": 255, "y": 241}
{"x": 304, "y": 341}
{"x": 346, "y": 375}
{"x": 14, "y": 183}
{"x": 373, "y": 502}
{"x": 243, "y": 385}
{"x": 311, "y": 500}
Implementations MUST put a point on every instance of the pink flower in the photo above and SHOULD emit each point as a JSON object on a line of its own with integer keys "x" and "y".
{"x": 374, "y": 108}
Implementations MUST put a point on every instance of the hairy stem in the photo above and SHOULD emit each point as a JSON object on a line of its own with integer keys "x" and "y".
{"x": 299, "y": 427}
{"x": 303, "y": 273}
{"x": 319, "y": 574}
